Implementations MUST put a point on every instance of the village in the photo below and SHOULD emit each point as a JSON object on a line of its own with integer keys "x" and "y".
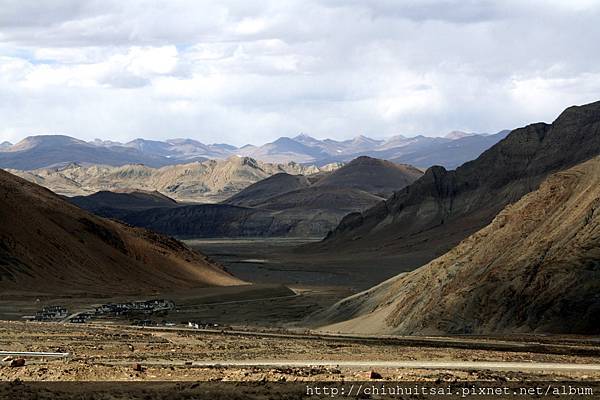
{"x": 58, "y": 313}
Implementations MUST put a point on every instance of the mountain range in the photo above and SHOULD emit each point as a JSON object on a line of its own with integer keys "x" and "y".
{"x": 535, "y": 268}
{"x": 506, "y": 243}
{"x": 45, "y": 151}
{"x": 431, "y": 216}
{"x": 200, "y": 182}
{"x": 280, "y": 205}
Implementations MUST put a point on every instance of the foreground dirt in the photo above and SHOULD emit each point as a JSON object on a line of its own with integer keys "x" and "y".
{"x": 121, "y": 353}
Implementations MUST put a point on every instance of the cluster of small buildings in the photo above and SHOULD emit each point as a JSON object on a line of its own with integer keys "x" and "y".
{"x": 57, "y": 313}
{"x": 148, "y": 306}
{"x": 202, "y": 325}
{"x": 117, "y": 309}
{"x": 51, "y": 313}
{"x": 145, "y": 322}
{"x": 81, "y": 318}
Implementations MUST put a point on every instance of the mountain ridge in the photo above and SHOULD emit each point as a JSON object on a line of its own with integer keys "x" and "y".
{"x": 206, "y": 181}
{"x": 427, "y": 218}
{"x": 279, "y": 205}
{"x": 43, "y": 151}
{"x": 533, "y": 269}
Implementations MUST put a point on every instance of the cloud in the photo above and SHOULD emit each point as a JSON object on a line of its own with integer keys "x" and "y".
{"x": 250, "y": 71}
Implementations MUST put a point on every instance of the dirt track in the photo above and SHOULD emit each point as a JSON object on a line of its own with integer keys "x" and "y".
{"x": 432, "y": 365}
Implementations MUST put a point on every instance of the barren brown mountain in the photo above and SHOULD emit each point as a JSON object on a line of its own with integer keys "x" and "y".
{"x": 535, "y": 268}
{"x": 204, "y": 182}
{"x": 48, "y": 245}
{"x": 435, "y": 213}
{"x": 285, "y": 205}
{"x": 261, "y": 191}
{"x": 118, "y": 204}
{"x": 362, "y": 182}
{"x": 372, "y": 175}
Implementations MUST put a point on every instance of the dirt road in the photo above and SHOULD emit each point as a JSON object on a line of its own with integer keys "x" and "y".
{"x": 435, "y": 365}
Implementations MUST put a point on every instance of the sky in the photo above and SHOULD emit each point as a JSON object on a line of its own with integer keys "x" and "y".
{"x": 251, "y": 71}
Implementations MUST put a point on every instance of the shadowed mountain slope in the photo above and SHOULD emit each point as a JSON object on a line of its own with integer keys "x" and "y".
{"x": 118, "y": 204}
{"x": 432, "y": 215}
{"x": 535, "y": 268}
{"x": 260, "y": 191}
{"x": 372, "y": 175}
{"x": 309, "y": 212}
{"x": 285, "y": 205}
{"x": 51, "y": 246}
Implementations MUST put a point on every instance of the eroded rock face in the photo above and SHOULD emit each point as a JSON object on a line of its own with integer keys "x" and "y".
{"x": 535, "y": 268}
{"x": 443, "y": 207}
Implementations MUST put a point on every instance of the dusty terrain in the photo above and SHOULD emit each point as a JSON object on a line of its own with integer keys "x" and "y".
{"x": 109, "y": 353}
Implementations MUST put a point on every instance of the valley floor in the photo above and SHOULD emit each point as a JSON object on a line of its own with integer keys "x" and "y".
{"x": 277, "y": 260}
{"x": 255, "y": 334}
{"x": 104, "y": 351}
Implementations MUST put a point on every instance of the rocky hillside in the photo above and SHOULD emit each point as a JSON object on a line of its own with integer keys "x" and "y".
{"x": 372, "y": 175}
{"x": 310, "y": 212}
{"x": 286, "y": 205}
{"x": 118, "y": 204}
{"x": 204, "y": 182}
{"x": 535, "y": 268}
{"x": 435, "y": 213}
{"x": 261, "y": 191}
{"x": 48, "y": 245}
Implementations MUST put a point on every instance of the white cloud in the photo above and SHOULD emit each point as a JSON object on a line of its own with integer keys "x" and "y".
{"x": 249, "y": 26}
{"x": 243, "y": 71}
